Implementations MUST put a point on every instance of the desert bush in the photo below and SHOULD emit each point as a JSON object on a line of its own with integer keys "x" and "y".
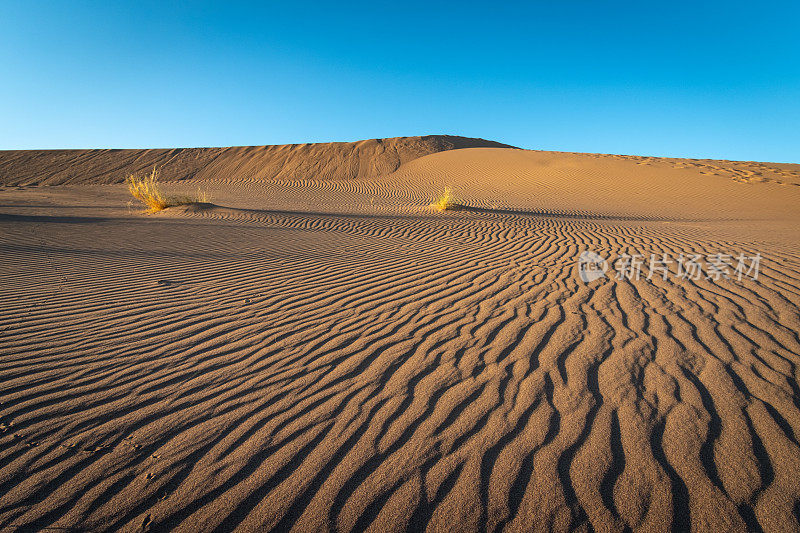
{"x": 147, "y": 190}
{"x": 445, "y": 201}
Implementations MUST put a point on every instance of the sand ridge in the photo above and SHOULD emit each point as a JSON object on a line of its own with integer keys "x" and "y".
{"x": 339, "y": 160}
{"x": 312, "y": 353}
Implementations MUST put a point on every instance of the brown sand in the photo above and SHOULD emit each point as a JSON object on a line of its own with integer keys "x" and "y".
{"x": 330, "y": 161}
{"x": 319, "y": 350}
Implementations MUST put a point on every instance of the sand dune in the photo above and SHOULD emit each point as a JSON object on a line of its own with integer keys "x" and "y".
{"x": 319, "y": 350}
{"x": 363, "y": 159}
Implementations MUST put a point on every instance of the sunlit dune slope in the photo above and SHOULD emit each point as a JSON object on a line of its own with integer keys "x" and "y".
{"x": 336, "y": 160}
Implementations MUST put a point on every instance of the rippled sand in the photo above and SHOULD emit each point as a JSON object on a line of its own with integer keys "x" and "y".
{"x": 318, "y": 349}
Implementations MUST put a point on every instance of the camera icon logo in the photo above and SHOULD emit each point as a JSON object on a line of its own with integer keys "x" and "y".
{"x": 591, "y": 266}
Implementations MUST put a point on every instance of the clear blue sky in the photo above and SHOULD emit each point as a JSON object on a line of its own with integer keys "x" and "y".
{"x": 691, "y": 79}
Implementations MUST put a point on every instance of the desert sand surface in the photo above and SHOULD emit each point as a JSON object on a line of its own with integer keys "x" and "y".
{"x": 317, "y": 349}
{"x": 340, "y": 160}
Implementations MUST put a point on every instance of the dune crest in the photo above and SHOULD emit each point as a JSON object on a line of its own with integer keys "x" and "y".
{"x": 332, "y": 161}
